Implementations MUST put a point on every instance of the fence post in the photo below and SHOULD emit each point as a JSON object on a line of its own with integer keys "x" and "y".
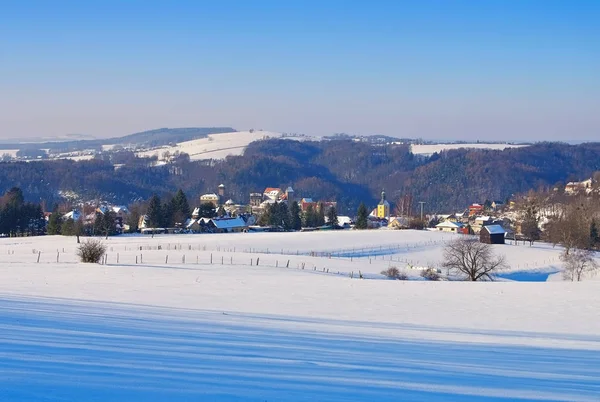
{"x": 57, "y": 255}
{"x": 167, "y": 259}
{"x": 210, "y": 258}
{"x": 39, "y": 255}
{"x": 288, "y": 264}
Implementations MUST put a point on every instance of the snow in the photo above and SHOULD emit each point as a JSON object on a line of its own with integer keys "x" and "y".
{"x": 429, "y": 149}
{"x": 190, "y": 330}
{"x": 216, "y": 146}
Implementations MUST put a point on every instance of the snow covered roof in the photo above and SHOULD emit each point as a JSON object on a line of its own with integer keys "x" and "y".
{"x": 229, "y": 223}
{"x": 494, "y": 229}
{"x": 209, "y": 196}
{"x": 196, "y": 211}
{"x": 119, "y": 209}
{"x": 230, "y": 202}
{"x": 74, "y": 214}
{"x": 448, "y": 224}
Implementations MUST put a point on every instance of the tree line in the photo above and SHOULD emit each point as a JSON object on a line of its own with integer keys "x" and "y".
{"x": 20, "y": 218}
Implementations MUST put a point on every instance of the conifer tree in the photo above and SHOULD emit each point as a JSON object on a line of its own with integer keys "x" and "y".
{"x": 362, "y": 217}
{"x": 320, "y": 219}
{"x": 154, "y": 214}
{"x": 310, "y": 217}
{"x": 332, "y": 217}
{"x": 295, "y": 218}
{"x": 54, "y": 223}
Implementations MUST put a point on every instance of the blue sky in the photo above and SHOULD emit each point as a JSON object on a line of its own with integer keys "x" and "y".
{"x": 488, "y": 70}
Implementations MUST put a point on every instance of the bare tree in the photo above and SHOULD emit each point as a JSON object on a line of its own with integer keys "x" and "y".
{"x": 468, "y": 257}
{"x": 578, "y": 263}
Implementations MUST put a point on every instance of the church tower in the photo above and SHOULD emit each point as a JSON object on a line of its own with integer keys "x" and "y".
{"x": 383, "y": 208}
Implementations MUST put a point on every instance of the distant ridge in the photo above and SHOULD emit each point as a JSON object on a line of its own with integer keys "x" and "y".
{"x": 150, "y": 138}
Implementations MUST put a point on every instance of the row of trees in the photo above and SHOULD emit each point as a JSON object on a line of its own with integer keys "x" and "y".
{"x": 19, "y": 218}
{"x": 292, "y": 218}
{"x": 171, "y": 213}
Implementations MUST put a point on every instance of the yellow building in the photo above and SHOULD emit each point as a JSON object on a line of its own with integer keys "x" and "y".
{"x": 383, "y": 208}
{"x": 210, "y": 199}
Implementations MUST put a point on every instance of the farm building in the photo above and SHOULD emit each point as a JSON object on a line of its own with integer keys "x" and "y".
{"x": 448, "y": 226}
{"x": 492, "y": 234}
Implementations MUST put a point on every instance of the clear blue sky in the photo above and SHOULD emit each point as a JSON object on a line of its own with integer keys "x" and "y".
{"x": 518, "y": 70}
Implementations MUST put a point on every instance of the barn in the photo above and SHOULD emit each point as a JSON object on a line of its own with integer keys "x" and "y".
{"x": 492, "y": 234}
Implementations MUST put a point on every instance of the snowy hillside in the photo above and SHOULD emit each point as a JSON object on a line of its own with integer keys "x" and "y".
{"x": 164, "y": 323}
{"x": 215, "y": 146}
{"x": 429, "y": 149}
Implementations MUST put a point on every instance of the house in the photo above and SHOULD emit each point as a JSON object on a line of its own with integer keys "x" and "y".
{"x": 272, "y": 193}
{"x": 210, "y": 198}
{"x": 383, "y": 208}
{"x": 192, "y": 225}
{"x": 475, "y": 209}
{"x": 400, "y": 222}
{"x": 480, "y": 222}
{"x": 575, "y": 187}
{"x": 492, "y": 234}
{"x": 228, "y": 225}
{"x": 143, "y": 222}
{"x": 256, "y": 199}
{"x": 447, "y": 226}
{"x": 74, "y": 214}
{"x": 305, "y": 202}
{"x": 496, "y": 205}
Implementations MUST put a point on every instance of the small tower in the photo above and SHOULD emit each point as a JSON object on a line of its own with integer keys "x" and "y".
{"x": 383, "y": 208}
{"x": 289, "y": 195}
{"x": 222, "y": 190}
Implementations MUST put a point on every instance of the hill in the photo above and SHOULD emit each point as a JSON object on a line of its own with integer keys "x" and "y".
{"x": 151, "y": 138}
{"x": 347, "y": 171}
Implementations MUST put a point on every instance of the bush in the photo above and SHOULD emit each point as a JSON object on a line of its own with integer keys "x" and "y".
{"x": 394, "y": 273}
{"x": 431, "y": 274}
{"x": 91, "y": 250}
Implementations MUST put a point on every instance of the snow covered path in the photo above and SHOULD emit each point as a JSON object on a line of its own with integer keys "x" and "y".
{"x": 54, "y": 349}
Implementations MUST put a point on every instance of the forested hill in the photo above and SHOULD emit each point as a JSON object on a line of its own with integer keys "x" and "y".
{"x": 349, "y": 172}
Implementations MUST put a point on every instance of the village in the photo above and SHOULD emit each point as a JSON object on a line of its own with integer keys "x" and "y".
{"x": 492, "y": 221}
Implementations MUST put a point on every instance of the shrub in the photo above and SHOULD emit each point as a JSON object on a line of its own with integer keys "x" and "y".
{"x": 431, "y": 274}
{"x": 394, "y": 273}
{"x": 91, "y": 250}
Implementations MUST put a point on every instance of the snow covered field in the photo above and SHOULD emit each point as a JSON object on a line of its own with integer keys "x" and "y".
{"x": 429, "y": 149}
{"x": 216, "y": 146}
{"x": 176, "y": 327}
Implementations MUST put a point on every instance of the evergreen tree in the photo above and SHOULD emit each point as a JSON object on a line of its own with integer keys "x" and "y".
{"x": 310, "y": 217}
{"x": 265, "y": 218}
{"x": 320, "y": 219}
{"x": 180, "y": 208}
{"x": 54, "y": 223}
{"x": 167, "y": 214}
{"x": 332, "y": 217}
{"x": 283, "y": 215}
{"x": 221, "y": 212}
{"x": 154, "y": 214}
{"x": 68, "y": 227}
{"x": 362, "y": 218}
{"x": 295, "y": 218}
